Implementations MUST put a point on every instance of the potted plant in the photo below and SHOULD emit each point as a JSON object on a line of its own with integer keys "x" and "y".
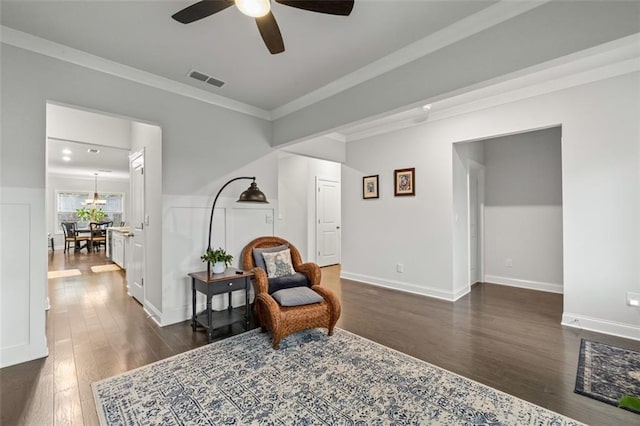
{"x": 91, "y": 214}
{"x": 220, "y": 259}
{"x": 630, "y": 402}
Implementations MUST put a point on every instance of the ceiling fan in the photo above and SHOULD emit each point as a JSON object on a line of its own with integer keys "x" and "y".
{"x": 261, "y": 11}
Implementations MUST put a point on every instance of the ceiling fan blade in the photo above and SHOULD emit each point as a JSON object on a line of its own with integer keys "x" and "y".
{"x": 270, "y": 33}
{"x": 332, "y": 7}
{"x": 200, "y": 10}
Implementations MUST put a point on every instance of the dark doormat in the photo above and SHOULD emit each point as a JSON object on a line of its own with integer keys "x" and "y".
{"x": 607, "y": 373}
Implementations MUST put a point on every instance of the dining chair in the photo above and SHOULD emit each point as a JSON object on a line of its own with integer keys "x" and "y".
{"x": 70, "y": 230}
{"x": 98, "y": 234}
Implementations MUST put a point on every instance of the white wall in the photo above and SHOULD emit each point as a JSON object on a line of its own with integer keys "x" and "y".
{"x": 297, "y": 196}
{"x": 323, "y": 147}
{"x": 523, "y": 210}
{"x": 601, "y": 208}
{"x": 88, "y": 127}
{"x": 463, "y": 154}
{"x": 414, "y": 231}
{"x": 74, "y": 183}
{"x": 148, "y": 137}
{"x": 194, "y": 134}
{"x": 185, "y": 222}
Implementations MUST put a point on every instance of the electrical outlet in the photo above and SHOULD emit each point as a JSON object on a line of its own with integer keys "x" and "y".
{"x": 633, "y": 299}
{"x": 269, "y": 219}
{"x": 509, "y": 263}
{"x": 400, "y": 268}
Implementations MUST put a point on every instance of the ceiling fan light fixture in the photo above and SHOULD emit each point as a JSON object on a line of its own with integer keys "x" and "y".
{"x": 254, "y": 8}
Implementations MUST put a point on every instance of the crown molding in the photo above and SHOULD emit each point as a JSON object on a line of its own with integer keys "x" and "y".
{"x": 49, "y": 48}
{"x": 608, "y": 60}
{"x": 486, "y": 18}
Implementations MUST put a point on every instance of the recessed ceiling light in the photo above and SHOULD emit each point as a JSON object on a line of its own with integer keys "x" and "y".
{"x": 426, "y": 107}
{"x": 66, "y": 158}
{"x": 66, "y": 151}
{"x": 93, "y": 150}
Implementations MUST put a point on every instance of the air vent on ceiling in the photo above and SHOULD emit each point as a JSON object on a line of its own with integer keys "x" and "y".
{"x": 206, "y": 78}
{"x": 93, "y": 151}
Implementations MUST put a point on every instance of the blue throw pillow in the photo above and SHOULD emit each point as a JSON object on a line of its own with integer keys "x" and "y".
{"x": 296, "y": 296}
{"x": 257, "y": 254}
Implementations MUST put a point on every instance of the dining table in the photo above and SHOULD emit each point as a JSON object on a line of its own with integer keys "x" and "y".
{"x": 87, "y": 232}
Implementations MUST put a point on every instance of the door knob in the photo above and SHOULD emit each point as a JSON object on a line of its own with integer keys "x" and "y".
{"x": 337, "y": 227}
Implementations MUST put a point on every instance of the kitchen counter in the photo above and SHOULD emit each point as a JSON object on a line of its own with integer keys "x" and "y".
{"x": 122, "y": 229}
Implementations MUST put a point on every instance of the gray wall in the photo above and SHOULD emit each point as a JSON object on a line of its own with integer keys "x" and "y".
{"x": 523, "y": 208}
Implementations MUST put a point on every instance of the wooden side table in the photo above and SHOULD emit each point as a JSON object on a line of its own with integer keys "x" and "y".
{"x": 226, "y": 282}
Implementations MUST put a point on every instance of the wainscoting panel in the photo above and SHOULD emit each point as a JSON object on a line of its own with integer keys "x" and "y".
{"x": 186, "y": 222}
{"x": 15, "y": 274}
{"x": 23, "y": 279}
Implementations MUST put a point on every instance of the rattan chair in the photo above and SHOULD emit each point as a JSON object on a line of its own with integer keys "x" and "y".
{"x": 283, "y": 321}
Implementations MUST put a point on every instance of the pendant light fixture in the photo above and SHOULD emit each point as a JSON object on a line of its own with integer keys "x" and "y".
{"x": 96, "y": 201}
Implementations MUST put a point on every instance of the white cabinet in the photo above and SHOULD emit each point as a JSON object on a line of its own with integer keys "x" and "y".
{"x": 118, "y": 239}
{"x": 118, "y": 249}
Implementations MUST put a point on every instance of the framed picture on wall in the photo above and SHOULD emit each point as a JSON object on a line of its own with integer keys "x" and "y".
{"x": 404, "y": 182}
{"x": 370, "y": 187}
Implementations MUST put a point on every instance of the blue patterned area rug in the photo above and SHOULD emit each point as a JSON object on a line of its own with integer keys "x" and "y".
{"x": 607, "y": 373}
{"x": 312, "y": 380}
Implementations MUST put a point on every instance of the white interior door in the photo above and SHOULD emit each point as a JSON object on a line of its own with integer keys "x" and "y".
{"x": 136, "y": 260}
{"x": 328, "y": 208}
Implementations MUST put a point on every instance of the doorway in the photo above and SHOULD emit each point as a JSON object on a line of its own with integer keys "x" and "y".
{"x": 328, "y": 212}
{"x": 309, "y": 206}
{"x": 100, "y": 144}
{"x": 508, "y": 211}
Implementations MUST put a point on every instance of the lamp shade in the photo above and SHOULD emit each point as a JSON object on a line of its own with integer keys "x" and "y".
{"x": 253, "y": 195}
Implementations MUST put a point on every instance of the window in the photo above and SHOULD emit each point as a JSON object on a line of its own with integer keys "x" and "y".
{"x": 68, "y": 202}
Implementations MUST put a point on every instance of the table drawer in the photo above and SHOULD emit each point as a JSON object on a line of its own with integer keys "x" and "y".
{"x": 227, "y": 286}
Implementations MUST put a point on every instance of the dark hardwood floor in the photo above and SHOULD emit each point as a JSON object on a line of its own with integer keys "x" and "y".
{"x": 507, "y": 338}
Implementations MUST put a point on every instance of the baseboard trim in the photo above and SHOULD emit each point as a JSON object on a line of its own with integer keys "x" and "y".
{"x": 461, "y": 292}
{"x": 613, "y": 328}
{"x": 531, "y": 285}
{"x": 153, "y": 312}
{"x": 183, "y": 313}
{"x": 400, "y": 285}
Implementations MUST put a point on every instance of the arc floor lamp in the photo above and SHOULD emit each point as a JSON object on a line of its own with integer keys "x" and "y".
{"x": 250, "y": 195}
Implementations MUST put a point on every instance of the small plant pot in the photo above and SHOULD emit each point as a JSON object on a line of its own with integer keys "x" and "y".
{"x": 219, "y": 267}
